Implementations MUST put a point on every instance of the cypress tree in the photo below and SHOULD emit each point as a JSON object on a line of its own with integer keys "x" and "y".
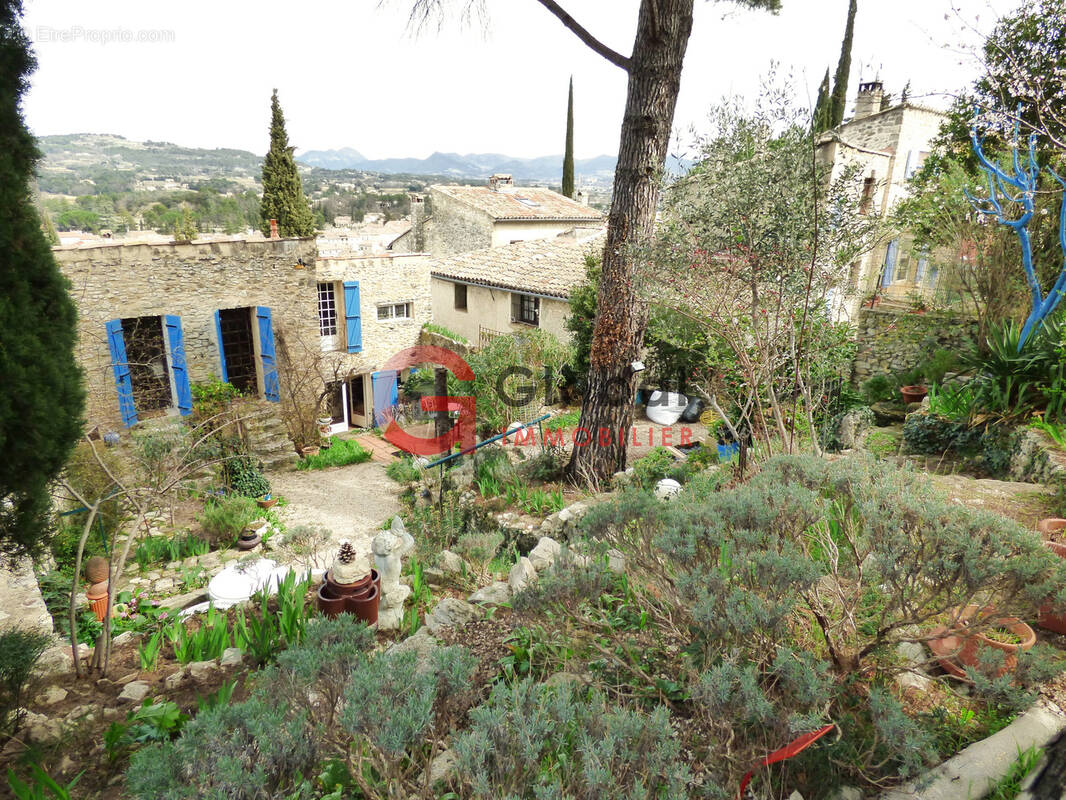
{"x": 41, "y": 399}
{"x": 822, "y": 110}
{"x": 840, "y": 80}
{"x": 568, "y": 156}
{"x": 283, "y": 194}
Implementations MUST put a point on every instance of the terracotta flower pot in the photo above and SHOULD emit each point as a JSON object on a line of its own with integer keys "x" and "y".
{"x": 264, "y": 503}
{"x": 345, "y": 589}
{"x": 312, "y": 450}
{"x": 364, "y": 607}
{"x": 913, "y": 394}
{"x": 328, "y": 603}
{"x": 1052, "y": 527}
{"x": 96, "y": 569}
{"x": 960, "y": 647}
{"x": 97, "y": 597}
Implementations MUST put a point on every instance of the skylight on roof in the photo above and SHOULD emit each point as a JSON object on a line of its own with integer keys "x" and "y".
{"x": 527, "y": 202}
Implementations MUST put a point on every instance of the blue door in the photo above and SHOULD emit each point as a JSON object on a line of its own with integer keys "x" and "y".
{"x": 385, "y": 392}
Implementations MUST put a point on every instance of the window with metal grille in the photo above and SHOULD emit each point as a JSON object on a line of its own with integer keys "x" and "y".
{"x": 395, "y": 311}
{"x": 327, "y": 310}
{"x": 525, "y": 308}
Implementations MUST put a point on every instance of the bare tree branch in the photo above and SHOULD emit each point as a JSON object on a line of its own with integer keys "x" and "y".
{"x": 581, "y": 33}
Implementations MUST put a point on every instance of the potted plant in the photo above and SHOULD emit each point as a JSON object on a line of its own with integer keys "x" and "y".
{"x": 310, "y": 450}
{"x": 266, "y": 501}
{"x": 252, "y": 535}
{"x": 1053, "y": 530}
{"x": 911, "y": 386}
{"x": 959, "y": 644}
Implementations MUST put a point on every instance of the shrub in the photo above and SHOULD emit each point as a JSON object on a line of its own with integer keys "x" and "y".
{"x": 244, "y": 478}
{"x": 653, "y": 467}
{"x": 930, "y": 435}
{"x": 879, "y": 389}
{"x": 403, "y": 470}
{"x": 479, "y": 549}
{"x": 440, "y": 330}
{"x": 340, "y": 454}
{"x": 251, "y": 750}
{"x": 19, "y": 652}
{"x": 224, "y": 518}
{"x": 212, "y": 397}
{"x": 596, "y": 749}
{"x": 155, "y": 549}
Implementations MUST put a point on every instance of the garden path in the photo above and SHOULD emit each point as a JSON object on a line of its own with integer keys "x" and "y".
{"x": 350, "y": 501}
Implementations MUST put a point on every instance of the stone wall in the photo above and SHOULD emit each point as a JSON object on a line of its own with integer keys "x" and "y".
{"x": 894, "y": 341}
{"x": 454, "y": 227}
{"x": 191, "y": 281}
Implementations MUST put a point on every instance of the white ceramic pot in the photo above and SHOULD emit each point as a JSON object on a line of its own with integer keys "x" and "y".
{"x": 667, "y": 488}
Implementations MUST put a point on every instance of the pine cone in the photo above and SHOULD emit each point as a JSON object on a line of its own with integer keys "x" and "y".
{"x": 346, "y": 554}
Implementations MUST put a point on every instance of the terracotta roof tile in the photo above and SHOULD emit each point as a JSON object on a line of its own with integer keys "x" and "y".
{"x": 525, "y": 202}
{"x": 551, "y": 267}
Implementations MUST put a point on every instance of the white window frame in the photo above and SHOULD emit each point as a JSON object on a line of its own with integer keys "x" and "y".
{"x": 388, "y": 311}
{"x": 327, "y": 309}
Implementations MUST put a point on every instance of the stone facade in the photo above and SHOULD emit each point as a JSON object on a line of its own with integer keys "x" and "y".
{"x": 190, "y": 281}
{"x": 888, "y": 144}
{"x": 894, "y": 341}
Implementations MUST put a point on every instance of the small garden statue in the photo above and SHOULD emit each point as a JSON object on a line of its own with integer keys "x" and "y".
{"x": 389, "y": 548}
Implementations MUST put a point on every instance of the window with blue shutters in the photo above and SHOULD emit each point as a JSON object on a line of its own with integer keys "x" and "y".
{"x": 891, "y": 257}
{"x": 179, "y": 373}
{"x": 352, "y": 318}
{"x": 120, "y": 366}
{"x": 267, "y": 355}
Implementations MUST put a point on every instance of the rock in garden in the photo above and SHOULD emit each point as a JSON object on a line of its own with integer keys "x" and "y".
{"x": 40, "y": 729}
{"x": 174, "y": 680}
{"x": 442, "y": 767}
{"x": 545, "y": 553}
{"x": 616, "y": 560}
{"x": 451, "y": 613}
{"x": 422, "y": 644}
{"x": 122, "y": 638}
{"x": 52, "y": 695}
{"x": 911, "y": 653}
{"x": 55, "y": 660}
{"x": 451, "y": 562}
{"x": 667, "y": 489}
{"x": 522, "y": 575}
{"x": 134, "y": 692}
{"x": 231, "y": 657}
{"x": 888, "y": 414}
{"x": 389, "y": 619}
{"x": 201, "y": 671}
{"x": 853, "y": 427}
{"x": 494, "y": 594}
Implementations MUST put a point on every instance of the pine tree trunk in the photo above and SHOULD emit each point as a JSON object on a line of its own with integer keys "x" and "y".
{"x": 663, "y": 29}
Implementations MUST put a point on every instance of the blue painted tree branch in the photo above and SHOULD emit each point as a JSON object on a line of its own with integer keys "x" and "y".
{"x": 1024, "y": 181}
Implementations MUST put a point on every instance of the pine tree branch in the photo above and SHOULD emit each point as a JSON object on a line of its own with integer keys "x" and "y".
{"x": 581, "y": 33}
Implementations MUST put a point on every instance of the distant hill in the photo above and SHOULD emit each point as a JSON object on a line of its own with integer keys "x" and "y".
{"x": 469, "y": 165}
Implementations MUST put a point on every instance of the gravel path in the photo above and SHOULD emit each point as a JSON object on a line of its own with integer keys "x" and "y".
{"x": 351, "y": 502}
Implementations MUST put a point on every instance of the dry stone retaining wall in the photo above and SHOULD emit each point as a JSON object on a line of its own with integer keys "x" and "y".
{"x": 892, "y": 341}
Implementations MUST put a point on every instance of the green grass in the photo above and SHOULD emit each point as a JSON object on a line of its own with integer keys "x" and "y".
{"x": 568, "y": 419}
{"x": 1010, "y": 785}
{"x": 342, "y": 453}
{"x": 403, "y": 471}
{"x": 883, "y": 443}
{"x": 442, "y": 331}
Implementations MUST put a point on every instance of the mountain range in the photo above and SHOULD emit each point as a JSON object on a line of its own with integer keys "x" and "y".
{"x": 469, "y": 165}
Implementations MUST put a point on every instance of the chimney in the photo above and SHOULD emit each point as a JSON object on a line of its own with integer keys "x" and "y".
{"x": 501, "y": 183}
{"x": 868, "y": 101}
{"x": 582, "y": 197}
{"x": 274, "y": 229}
{"x": 418, "y": 221}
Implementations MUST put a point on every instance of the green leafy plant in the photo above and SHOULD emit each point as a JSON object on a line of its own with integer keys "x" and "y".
{"x": 244, "y": 478}
{"x": 952, "y": 402}
{"x": 208, "y": 642}
{"x": 224, "y": 518}
{"x": 157, "y": 549}
{"x": 42, "y": 787}
{"x": 221, "y": 696}
{"x": 148, "y": 652}
{"x": 19, "y": 652}
{"x": 212, "y": 397}
{"x": 1010, "y": 785}
{"x": 342, "y": 453}
{"x": 568, "y": 419}
{"x": 1056, "y": 432}
{"x": 152, "y": 722}
{"x": 403, "y": 470}
{"x": 880, "y": 389}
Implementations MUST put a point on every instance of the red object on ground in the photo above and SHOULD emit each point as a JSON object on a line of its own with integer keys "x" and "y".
{"x": 788, "y": 751}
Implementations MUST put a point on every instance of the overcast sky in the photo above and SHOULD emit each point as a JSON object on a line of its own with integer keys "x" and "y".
{"x": 350, "y": 75}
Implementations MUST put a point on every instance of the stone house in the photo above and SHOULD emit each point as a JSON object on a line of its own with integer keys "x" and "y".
{"x": 511, "y": 288}
{"x": 889, "y": 142}
{"x": 457, "y": 219}
{"x": 156, "y": 318}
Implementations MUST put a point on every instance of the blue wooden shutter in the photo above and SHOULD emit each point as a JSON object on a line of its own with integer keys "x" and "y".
{"x": 911, "y": 166}
{"x": 891, "y": 256}
{"x": 179, "y": 373}
{"x": 271, "y": 388}
{"x": 923, "y": 262}
{"x": 385, "y": 392}
{"x": 353, "y": 321}
{"x": 119, "y": 363}
{"x": 223, "y": 374}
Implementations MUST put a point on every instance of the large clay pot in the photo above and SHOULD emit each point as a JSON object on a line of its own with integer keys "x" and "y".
{"x": 345, "y": 589}
{"x": 1052, "y": 527}
{"x": 365, "y": 607}
{"x": 913, "y": 394}
{"x": 97, "y": 597}
{"x": 959, "y": 648}
{"x": 328, "y": 603}
{"x": 96, "y": 569}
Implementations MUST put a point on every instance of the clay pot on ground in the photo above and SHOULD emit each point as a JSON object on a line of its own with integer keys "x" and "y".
{"x": 960, "y": 647}
{"x": 310, "y": 450}
{"x": 97, "y": 597}
{"x": 913, "y": 394}
{"x": 248, "y": 540}
{"x": 96, "y": 569}
{"x": 266, "y": 501}
{"x": 328, "y": 603}
{"x": 1052, "y": 529}
{"x": 364, "y": 606}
